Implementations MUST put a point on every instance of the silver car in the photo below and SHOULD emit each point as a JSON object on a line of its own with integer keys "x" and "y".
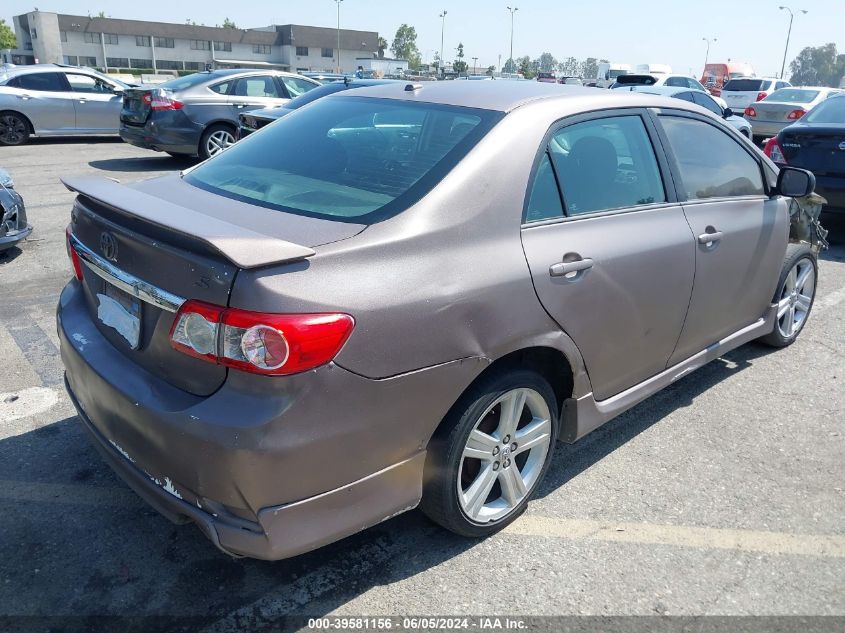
{"x": 784, "y": 107}
{"x": 55, "y": 100}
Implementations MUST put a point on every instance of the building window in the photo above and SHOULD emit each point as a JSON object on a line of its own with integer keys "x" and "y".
{"x": 141, "y": 63}
{"x": 23, "y": 60}
{"x": 117, "y": 62}
{"x": 223, "y": 46}
{"x": 166, "y": 64}
{"x": 92, "y": 38}
{"x": 87, "y": 61}
{"x": 194, "y": 65}
{"x": 164, "y": 42}
{"x": 63, "y": 36}
{"x": 71, "y": 60}
{"x": 200, "y": 45}
{"x": 27, "y": 46}
{"x": 328, "y": 52}
{"x": 33, "y": 34}
{"x": 261, "y": 49}
{"x": 110, "y": 38}
{"x": 302, "y": 51}
{"x": 142, "y": 40}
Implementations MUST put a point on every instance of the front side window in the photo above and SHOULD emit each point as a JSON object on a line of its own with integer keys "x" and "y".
{"x": 296, "y": 86}
{"x": 86, "y": 83}
{"x": 256, "y": 87}
{"x": 41, "y": 82}
{"x": 606, "y": 164}
{"x": 725, "y": 169}
{"x": 346, "y": 158}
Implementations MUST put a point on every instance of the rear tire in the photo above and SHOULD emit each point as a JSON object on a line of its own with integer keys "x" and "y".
{"x": 795, "y": 294}
{"x": 14, "y": 128}
{"x": 215, "y": 139}
{"x": 485, "y": 461}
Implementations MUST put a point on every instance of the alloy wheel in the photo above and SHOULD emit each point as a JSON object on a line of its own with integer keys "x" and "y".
{"x": 504, "y": 455}
{"x": 796, "y": 298}
{"x": 218, "y": 141}
{"x": 12, "y": 130}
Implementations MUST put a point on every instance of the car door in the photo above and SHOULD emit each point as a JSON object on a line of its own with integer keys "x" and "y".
{"x": 43, "y": 98}
{"x": 253, "y": 92}
{"x": 96, "y": 103}
{"x": 609, "y": 249}
{"x": 741, "y": 233}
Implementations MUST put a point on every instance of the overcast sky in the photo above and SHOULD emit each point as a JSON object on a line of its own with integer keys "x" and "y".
{"x": 629, "y": 31}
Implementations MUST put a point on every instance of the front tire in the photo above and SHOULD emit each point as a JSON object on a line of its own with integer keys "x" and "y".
{"x": 491, "y": 453}
{"x": 795, "y": 295}
{"x": 14, "y": 129}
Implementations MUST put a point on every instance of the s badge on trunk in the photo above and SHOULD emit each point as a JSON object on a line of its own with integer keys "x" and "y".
{"x": 108, "y": 246}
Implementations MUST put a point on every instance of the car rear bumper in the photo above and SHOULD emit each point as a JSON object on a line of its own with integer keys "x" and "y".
{"x": 267, "y": 468}
{"x": 12, "y": 238}
{"x": 177, "y": 135}
{"x": 767, "y": 128}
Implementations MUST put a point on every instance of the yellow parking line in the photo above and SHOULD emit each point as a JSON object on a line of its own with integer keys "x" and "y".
{"x": 821, "y": 545}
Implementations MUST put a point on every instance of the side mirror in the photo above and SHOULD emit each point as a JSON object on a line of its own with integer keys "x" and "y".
{"x": 727, "y": 113}
{"x": 795, "y": 183}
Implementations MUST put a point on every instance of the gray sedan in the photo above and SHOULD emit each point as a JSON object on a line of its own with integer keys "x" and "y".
{"x": 407, "y": 295}
{"x": 54, "y": 100}
{"x": 784, "y": 107}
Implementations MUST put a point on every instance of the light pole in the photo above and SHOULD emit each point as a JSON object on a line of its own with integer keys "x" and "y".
{"x": 442, "y": 31}
{"x": 474, "y": 65}
{"x": 707, "y": 54}
{"x": 788, "y": 35}
{"x": 337, "y": 53}
{"x": 512, "y": 10}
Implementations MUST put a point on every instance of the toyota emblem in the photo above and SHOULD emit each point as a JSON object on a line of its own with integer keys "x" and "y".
{"x": 108, "y": 246}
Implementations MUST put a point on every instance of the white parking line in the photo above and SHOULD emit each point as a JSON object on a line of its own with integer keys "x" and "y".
{"x": 820, "y": 545}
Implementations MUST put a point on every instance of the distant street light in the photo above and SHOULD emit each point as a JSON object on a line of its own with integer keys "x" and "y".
{"x": 442, "y": 31}
{"x": 707, "y": 54}
{"x": 512, "y": 10}
{"x": 474, "y": 65}
{"x": 337, "y": 54}
{"x": 788, "y": 35}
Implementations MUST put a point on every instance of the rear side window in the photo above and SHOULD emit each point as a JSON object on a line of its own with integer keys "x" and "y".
{"x": 606, "y": 164}
{"x": 705, "y": 101}
{"x": 677, "y": 82}
{"x": 297, "y": 87}
{"x": 42, "y": 82}
{"x": 346, "y": 158}
{"x": 744, "y": 85}
{"x": 222, "y": 88}
{"x": 828, "y": 111}
{"x": 725, "y": 169}
{"x": 544, "y": 202}
{"x": 256, "y": 87}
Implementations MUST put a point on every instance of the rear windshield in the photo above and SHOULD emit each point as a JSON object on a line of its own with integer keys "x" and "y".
{"x": 189, "y": 81}
{"x": 829, "y": 111}
{"x": 636, "y": 80}
{"x": 745, "y": 85}
{"x": 545, "y": 75}
{"x": 346, "y": 158}
{"x": 792, "y": 95}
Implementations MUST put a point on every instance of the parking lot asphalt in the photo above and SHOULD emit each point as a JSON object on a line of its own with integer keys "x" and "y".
{"x": 724, "y": 494}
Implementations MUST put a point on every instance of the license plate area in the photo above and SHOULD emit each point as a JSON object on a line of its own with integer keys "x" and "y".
{"x": 120, "y": 311}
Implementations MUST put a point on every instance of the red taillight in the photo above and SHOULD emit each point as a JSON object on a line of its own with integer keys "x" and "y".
{"x": 159, "y": 101}
{"x": 259, "y": 342}
{"x": 774, "y": 151}
{"x": 749, "y": 111}
{"x": 73, "y": 255}
{"x": 760, "y": 96}
{"x": 796, "y": 114}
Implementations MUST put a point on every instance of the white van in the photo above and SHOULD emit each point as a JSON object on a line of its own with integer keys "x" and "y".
{"x": 607, "y": 73}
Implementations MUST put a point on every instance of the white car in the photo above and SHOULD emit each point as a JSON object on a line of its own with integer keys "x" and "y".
{"x": 657, "y": 79}
{"x": 742, "y": 92}
{"x": 714, "y": 104}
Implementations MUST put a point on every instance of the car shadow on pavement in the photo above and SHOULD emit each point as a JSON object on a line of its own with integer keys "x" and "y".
{"x": 10, "y": 255}
{"x": 154, "y": 162}
{"x": 74, "y": 140}
{"x": 78, "y": 544}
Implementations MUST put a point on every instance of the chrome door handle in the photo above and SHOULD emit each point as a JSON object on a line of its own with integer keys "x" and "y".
{"x": 24, "y": 97}
{"x": 707, "y": 238}
{"x": 240, "y": 105}
{"x": 564, "y": 268}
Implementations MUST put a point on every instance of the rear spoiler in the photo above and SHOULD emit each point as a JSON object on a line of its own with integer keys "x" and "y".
{"x": 241, "y": 246}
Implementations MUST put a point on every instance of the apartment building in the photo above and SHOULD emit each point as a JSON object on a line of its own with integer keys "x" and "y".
{"x": 111, "y": 43}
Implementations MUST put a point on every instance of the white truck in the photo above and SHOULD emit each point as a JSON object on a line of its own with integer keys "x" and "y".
{"x": 653, "y": 69}
{"x": 608, "y": 72}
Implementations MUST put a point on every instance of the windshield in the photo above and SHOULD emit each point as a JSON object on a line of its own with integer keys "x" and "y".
{"x": 792, "y": 95}
{"x": 346, "y": 158}
{"x": 744, "y": 85}
{"x": 830, "y": 111}
{"x": 613, "y": 74}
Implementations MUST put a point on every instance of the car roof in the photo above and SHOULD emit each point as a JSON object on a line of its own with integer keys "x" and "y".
{"x": 669, "y": 91}
{"x": 505, "y": 96}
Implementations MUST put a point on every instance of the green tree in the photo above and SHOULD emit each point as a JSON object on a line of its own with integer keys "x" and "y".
{"x": 101, "y": 14}
{"x": 382, "y": 45}
{"x": 460, "y": 66}
{"x": 405, "y": 45}
{"x": 818, "y": 66}
{"x": 546, "y": 62}
{"x": 510, "y": 66}
{"x": 8, "y": 41}
{"x": 229, "y": 24}
{"x": 589, "y": 67}
{"x": 524, "y": 66}
{"x": 569, "y": 67}
{"x": 490, "y": 70}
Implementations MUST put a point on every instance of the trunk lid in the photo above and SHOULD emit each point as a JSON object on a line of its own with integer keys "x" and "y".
{"x": 135, "y": 110}
{"x": 821, "y": 149}
{"x": 178, "y": 248}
